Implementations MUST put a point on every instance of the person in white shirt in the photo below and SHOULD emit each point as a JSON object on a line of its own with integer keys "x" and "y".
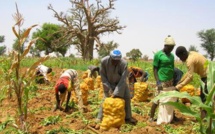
{"x": 41, "y": 74}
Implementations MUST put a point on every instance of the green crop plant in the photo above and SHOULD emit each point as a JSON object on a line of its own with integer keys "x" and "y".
{"x": 126, "y": 128}
{"x": 208, "y": 125}
{"x": 173, "y": 130}
{"x": 50, "y": 120}
{"x": 137, "y": 110}
{"x": 4, "y": 124}
{"x": 22, "y": 83}
{"x": 64, "y": 131}
{"x": 5, "y": 66}
{"x": 3, "y": 93}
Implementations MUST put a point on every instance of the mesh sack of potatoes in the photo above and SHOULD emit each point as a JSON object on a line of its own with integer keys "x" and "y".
{"x": 90, "y": 83}
{"x": 131, "y": 89}
{"x": 74, "y": 97}
{"x": 140, "y": 92}
{"x": 101, "y": 91}
{"x": 190, "y": 89}
{"x": 113, "y": 113}
{"x": 98, "y": 82}
{"x": 85, "y": 75}
{"x": 84, "y": 91}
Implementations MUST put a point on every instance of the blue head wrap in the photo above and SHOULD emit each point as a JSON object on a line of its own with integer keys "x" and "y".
{"x": 116, "y": 54}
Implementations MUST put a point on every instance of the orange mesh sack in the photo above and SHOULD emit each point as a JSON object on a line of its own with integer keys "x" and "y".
{"x": 190, "y": 89}
{"x": 85, "y": 75}
{"x": 84, "y": 91}
{"x": 140, "y": 92}
{"x": 113, "y": 113}
{"x": 98, "y": 82}
{"x": 90, "y": 83}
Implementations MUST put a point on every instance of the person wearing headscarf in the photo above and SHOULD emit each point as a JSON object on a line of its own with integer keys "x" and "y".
{"x": 67, "y": 82}
{"x": 114, "y": 73}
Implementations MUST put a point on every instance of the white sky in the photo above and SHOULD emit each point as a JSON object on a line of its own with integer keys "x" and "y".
{"x": 148, "y": 21}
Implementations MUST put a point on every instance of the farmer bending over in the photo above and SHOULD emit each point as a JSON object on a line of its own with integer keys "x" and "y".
{"x": 133, "y": 73}
{"x": 41, "y": 74}
{"x": 67, "y": 82}
{"x": 195, "y": 63}
{"x": 93, "y": 71}
{"x": 114, "y": 74}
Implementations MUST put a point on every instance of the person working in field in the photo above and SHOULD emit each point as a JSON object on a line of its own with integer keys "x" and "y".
{"x": 67, "y": 82}
{"x": 163, "y": 67}
{"x": 133, "y": 74}
{"x": 176, "y": 78}
{"x": 42, "y": 73}
{"x": 93, "y": 71}
{"x": 114, "y": 75}
{"x": 195, "y": 63}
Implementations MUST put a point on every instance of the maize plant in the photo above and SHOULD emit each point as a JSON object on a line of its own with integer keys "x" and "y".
{"x": 208, "y": 126}
{"x": 21, "y": 84}
{"x": 5, "y": 66}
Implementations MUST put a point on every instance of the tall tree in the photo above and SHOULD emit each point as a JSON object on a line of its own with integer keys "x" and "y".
{"x": 2, "y": 48}
{"x": 105, "y": 48}
{"x": 193, "y": 48}
{"x": 1, "y": 39}
{"x": 52, "y": 42}
{"x": 208, "y": 42}
{"x": 86, "y": 23}
{"x": 134, "y": 54}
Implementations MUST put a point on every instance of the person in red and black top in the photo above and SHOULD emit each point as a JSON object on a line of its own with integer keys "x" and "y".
{"x": 133, "y": 74}
{"x": 67, "y": 82}
{"x": 136, "y": 72}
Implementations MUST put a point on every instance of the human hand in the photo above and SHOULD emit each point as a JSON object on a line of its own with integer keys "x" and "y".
{"x": 112, "y": 96}
{"x": 159, "y": 86}
{"x": 146, "y": 76}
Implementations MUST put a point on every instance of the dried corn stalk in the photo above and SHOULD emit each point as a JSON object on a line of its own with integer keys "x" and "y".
{"x": 113, "y": 113}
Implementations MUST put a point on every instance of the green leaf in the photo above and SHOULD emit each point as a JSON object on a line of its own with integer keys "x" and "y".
{"x": 195, "y": 100}
{"x": 184, "y": 109}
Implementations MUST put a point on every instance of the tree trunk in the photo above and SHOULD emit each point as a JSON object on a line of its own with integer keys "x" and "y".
{"x": 90, "y": 50}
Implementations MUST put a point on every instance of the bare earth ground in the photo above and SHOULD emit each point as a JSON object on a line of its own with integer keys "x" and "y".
{"x": 41, "y": 106}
